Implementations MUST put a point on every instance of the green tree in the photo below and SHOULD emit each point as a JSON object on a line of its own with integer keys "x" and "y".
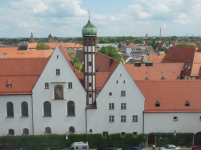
{"x": 42, "y": 46}
{"x": 198, "y": 44}
{"x": 173, "y": 38}
{"x": 79, "y": 66}
{"x": 185, "y": 45}
{"x": 164, "y": 49}
{"x": 110, "y": 51}
{"x": 185, "y": 39}
{"x": 153, "y": 44}
{"x": 119, "y": 46}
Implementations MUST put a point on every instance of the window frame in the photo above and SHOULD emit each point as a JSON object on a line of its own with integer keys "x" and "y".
{"x": 123, "y": 118}
{"x": 123, "y": 93}
{"x": 123, "y": 134}
{"x": 110, "y": 93}
{"x": 47, "y": 130}
{"x": 45, "y": 113}
{"x": 58, "y": 72}
{"x": 105, "y": 134}
{"x": 46, "y": 85}
{"x": 111, "y": 118}
{"x": 27, "y": 109}
{"x": 9, "y": 110}
{"x": 24, "y": 131}
{"x": 11, "y": 134}
{"x": 68, "y": 107}
{"x": 111, "y": 105}
{"x": 123, "y": 105}
{"x": 135, "y": 118}
{"x": 70, "y": 85}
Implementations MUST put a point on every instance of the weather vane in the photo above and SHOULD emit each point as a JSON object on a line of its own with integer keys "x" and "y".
{"x": 89, "y": 13}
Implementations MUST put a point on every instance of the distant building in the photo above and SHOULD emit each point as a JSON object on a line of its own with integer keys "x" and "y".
{"x": 31, "y": 38}
{"x": 107, "y": 44}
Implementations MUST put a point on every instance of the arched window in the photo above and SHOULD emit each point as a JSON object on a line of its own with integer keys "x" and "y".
{"x": 11, "y": 132}
{"x": 47, "y": 109}
{"x": 72, "y": 130}
{"x": 25, "y": 131}
{"x": 71, "y": 108}
{"x": 47, "y": 130}
{"x": 10, "y": 111}
{"x": 24, "y": 107}
{"x": 58, "y": 92}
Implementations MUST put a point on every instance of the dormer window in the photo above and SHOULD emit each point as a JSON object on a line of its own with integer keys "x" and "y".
{"x": 157, "y": 104}
{"x": 146, "y": 78}
{"x": 9, "y": 86}
{"x": 187, "y": 103}
{"x": 178, "y": 78}
{"x": 162, "y": 78}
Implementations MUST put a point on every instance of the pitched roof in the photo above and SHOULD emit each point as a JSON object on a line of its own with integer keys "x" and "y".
{"x": 23, "y": 73}
{"x": 172, "y": 95}
{"x": 101, "y": 79}
{"x": 188, "y": 55}
{"x": 170, "y": 71}
{"x": 131, "y": 46}
{"x": 103, "y": 63}
{"x": 53, "y": 45}
{"x": 155, "y": 58}
{"x": 15, "y": 53}
{"x": 160, "y": 46}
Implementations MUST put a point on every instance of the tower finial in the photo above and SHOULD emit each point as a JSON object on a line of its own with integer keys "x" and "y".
{"x": 89, "y": 13}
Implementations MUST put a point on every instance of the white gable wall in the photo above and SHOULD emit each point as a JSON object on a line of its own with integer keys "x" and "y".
{"x": 163, "y": 122}
{"x": 17, "y": 123}
{"x": 59, "y": 122}
{"x": 98, "y": 119}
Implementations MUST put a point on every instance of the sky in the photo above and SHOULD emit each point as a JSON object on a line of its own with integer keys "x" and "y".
{"x": 66, "y": 18}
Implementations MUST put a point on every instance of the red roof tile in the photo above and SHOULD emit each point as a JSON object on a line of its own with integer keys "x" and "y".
{"x": 22, "y": 73}
{"x": 103, "y": 63}
{"x": 170, "y": 71}
{"x": 101, "y": 79}
{"x": 172, "y": 95}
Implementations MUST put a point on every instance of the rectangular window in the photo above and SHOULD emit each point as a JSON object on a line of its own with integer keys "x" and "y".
{"x": 47, "y": 85}
{"x": 9, "y": 86}
{"x": 135, "y": 118}
{"x": 123, "y": 93}
{"x": 89, "y": 63}
{"x": 123, "y": 118}
{"x": 57, "y": 71}
{"x": 105, "y": 134}
{"x": 89, "y": 95}
{"x": 111, "y": 105}
{"x": 123, "y": 105}
{"x": 111, "y": 118}
{"x": 89, "y": 84}
{"x": 110, "y": 93}
{"x": 70, "y": 86}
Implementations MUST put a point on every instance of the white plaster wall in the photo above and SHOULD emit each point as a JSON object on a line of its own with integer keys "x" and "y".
{"x": 18, "y": 123}
{"x": 59, "y": 122}
{"x": 163, "y": 122}
{"x": 98, "y": 119}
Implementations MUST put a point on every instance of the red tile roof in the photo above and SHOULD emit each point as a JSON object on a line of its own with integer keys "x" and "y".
{"x": 155, "y": 58}
{"x": 131, "y": 46}
{"x": 101, "y": 79}
{"x": 170, "y": 71}
{"x": 159, "y": 46}
{"x": 103, "y": 63}
{"x": 15, "y": 53}
{"x": 189, "y": 56}
{"x": 23, "y": 73}
{"x": 172, "y": 95}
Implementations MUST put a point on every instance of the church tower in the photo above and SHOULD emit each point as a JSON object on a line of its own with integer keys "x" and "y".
{"x": 89, "y": 33}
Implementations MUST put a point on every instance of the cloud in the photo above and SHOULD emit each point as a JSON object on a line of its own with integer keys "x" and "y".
{"x": 66, "y": 18}
{"x": 164, "y": 25}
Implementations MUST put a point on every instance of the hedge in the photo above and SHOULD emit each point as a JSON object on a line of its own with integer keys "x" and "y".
{"x": 176, "y": 140}
{"x": 54, "y": 141}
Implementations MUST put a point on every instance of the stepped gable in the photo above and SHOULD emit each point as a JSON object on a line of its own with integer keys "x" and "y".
{"x": 172, "y": 95}
{"x": 21, "y": 73}
{"x": 103, "y": 63}
{"x": 170, "y": 71}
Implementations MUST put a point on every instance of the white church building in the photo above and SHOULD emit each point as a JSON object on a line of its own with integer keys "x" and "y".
{"x": 49, "y": 96}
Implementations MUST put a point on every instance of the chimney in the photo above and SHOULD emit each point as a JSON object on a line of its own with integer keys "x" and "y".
{"x": 138, "y": 64}
{"x": 111, "y": 61}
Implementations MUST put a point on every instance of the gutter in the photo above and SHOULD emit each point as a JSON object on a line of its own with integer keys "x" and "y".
{"x": 32, "y": 113}
{"x": 143, "y": 123}
{"x": 86, "y": 119}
